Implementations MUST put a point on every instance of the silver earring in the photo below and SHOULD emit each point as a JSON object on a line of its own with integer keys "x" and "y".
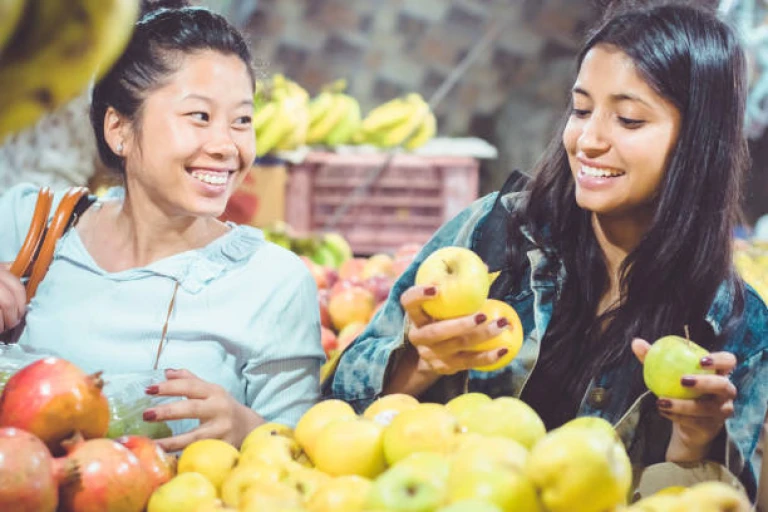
{"x": 120, "y": 148}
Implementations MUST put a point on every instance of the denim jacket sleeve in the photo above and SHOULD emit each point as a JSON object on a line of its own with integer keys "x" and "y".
{"x": 361, "y": 370}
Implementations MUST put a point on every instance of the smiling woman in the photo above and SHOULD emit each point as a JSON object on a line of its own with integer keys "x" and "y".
{"x": 149, "y": 278}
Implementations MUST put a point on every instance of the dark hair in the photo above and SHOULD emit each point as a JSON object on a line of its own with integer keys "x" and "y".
{"x": 161, "y": 36}
{"x": 669, "y": 281}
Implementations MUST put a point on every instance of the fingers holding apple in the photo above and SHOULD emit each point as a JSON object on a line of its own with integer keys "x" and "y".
{"x": 412, "y": 300}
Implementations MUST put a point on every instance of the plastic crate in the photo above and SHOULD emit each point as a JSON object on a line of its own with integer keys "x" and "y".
{"x": 410, "y": 199}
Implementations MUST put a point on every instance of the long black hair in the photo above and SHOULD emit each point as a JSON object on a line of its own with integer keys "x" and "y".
{"x": 669, "y": 281}
{"x": 167, "y": 30}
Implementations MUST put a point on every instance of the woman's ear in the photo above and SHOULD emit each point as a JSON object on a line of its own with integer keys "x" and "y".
{"x": 116, "y": 131}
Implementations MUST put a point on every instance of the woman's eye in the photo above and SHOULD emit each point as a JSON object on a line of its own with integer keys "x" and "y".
{"x": 631, "y": 123}
{"x": 200, "y": 116}
{"x": 244, "y": 120}
{"x": 580, "y": 113}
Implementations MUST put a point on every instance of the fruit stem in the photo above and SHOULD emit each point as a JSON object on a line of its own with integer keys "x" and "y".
{"x": 687, "y": 334}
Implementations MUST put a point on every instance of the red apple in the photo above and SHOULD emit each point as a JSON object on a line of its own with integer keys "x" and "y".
{"x": 379, "y": 285}
{"x": 352, "y": 268}
{"x": 318, "y": 272}
{"x": 328, "y": 339}
{"x": 350, "y": 305}
{"x": 378, "y": 264}
{"x": 343, "y": 284}
{"x": 331, "y": 276}
{"x": 323, "y": 297}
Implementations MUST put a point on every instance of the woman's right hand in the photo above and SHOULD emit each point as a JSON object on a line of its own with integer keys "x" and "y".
{"x": 13, "y": 298}
{"x": 444, "y": 347}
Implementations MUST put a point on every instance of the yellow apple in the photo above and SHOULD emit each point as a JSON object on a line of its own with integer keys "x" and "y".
{"x": 317, "y": 417}
{"x": 272, "y": 450}
{"x": 182, "y": 493}
{"x": 465, "y": 404}
{"x": 580, "y": 470}
{"x": 264, "y": 496}
{"x": 212, "y": 506}
{"x": 425, "y": 428}
{"x": 212, "y": 458}
{"x": 244, "y": 476}
{"x": 487, "y": 453}
{"x": 378, "y": 265}
{"x": 507, "y": 417}
{"x": 353, "y": 447}
{"x": 344, "y": 493}
{"x": 417, "y": 483}
{"x": 462, "y": 282}
{"x": 305, "y": 480}
{"x": 384, "y": 409}
{"x": 348, "y": 334}
{"x": 668, "y": 360}
{"x": 510, "y": 338}
{"x": 715, "y": 497}
{"x": 266, "y": 429}
{"x": 351, "y": 305}
{"x": 506, "y": 488}
{"x": 470, "y": 505}
{"x": 593, "y": 422}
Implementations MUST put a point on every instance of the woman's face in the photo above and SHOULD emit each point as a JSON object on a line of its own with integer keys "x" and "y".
{"x": 196, "y": 139}
{"x": 618, "y": 137}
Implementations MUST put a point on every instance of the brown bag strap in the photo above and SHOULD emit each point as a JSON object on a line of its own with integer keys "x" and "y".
{"x": 37, "y": 250}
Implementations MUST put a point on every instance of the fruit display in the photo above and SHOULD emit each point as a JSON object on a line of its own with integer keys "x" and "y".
{"x": 53, "y": 453}
{"x": 406, "y": 121}
{"x": 281, "y": 115}
{"x": 403, "y": 455}
{"x": 63, "y": 46}
{"x": 334, "y": 117}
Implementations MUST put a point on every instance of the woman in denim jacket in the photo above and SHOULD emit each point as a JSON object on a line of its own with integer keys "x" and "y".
{"x": 623, "y": 235}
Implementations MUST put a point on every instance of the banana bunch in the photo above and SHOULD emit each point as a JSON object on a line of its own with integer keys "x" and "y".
{"x": 407, "y": 121}
{"x": 50, "y": 50}
{"x": 281, "y": 115}
{"x": 334, "y": 117}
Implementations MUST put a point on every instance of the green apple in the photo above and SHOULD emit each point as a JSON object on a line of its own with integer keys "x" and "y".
{"x": 470, "y": 505}
{"x": 462, "y": 282}
{"x": 668, "y": 360}
{"x": 347, "y": 493}
{"x": 425, "y": 428}
{"x": 507, "y": 489}
{"x": 507, "y": 417}
{"x": 580, "y": 470}
{"x": 354, "y": 447}
{"x": 465, "y": 404}
{"x": 408, "y": 487}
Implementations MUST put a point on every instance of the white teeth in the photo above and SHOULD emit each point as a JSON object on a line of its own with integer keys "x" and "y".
{"x": 599, "y": 173}
{"x": 212, "y": 178}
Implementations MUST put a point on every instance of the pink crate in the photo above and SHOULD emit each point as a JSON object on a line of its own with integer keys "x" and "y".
{"x": 413, "y": 197}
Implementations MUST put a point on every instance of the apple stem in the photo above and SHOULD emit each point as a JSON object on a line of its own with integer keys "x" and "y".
{"x": 687, "y": 334}
{"x": 448, "y": 269}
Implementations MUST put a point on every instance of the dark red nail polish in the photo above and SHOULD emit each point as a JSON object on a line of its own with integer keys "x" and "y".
{"x": 706, "y": 361}
{"x": 688, "y": 382}
{"x": 663, "y": 404}
{"x": 149, "y": 415}
{"x": 430, "y": 291}
{"x": 480, "y": 318}
{"x": 502, "y": 322}
{"x": 152, "y": 390}
{"x": 502, "y": 352}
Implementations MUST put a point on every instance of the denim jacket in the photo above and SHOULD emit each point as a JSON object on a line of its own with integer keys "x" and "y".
{"x": 362, "y": 368}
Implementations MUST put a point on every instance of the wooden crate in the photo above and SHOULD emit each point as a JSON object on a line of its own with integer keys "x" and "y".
{"x": 413, "y": 197}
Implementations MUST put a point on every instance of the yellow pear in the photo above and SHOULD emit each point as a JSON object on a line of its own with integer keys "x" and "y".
{"x": 317, "y": 417}
{"x": 182, "y": 493}
{"x": 348, "y": 493}
{"x": 212, "y": 458}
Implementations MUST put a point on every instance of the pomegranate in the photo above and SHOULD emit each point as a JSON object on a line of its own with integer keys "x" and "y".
{"x": 111, "y": 478}
{"x": 29, "y": 476}
{"x": 52, "y": 398}
{"x": 158, "y": 465}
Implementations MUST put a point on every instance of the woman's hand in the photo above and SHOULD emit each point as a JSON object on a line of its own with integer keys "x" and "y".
{"x": 13, "y": 299}
{"x": 221, "y": 416}
{"x": 445, "y": 347}
{"x": 696, "y": 423}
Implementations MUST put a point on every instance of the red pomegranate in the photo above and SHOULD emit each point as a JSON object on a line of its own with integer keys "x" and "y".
{"x": 29, "y": 476}
{"x": 158, "y": 465}
{"x": 111, "y": 478}
{"x": 52, "y": 398}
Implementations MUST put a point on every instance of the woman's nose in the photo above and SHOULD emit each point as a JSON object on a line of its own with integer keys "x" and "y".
{"x": 594, "y": 136}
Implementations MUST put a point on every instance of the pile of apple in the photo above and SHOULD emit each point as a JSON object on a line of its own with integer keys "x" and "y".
{"x": 53, "y": 453}
{"x": 350, "y": 294}
{"x": 473, "y": 454}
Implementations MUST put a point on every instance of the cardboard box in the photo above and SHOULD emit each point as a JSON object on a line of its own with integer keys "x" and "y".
{"x": 260, "y": 199}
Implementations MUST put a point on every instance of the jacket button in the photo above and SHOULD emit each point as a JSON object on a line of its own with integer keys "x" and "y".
{"x": 598, "y": 398}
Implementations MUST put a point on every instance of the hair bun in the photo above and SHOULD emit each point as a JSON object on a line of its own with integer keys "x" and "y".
{"x": 150, "y": 6}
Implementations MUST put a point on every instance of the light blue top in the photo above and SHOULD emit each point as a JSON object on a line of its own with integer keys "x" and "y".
{"x": 245, "y": 315}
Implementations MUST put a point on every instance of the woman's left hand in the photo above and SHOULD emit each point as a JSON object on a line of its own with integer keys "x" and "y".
{"x": 221, "y": 416}
{"x": 696, "y": 423}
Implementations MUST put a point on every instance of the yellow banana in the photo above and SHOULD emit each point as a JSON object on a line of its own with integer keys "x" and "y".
{"x": 263, "y": 115}
{"x": 348, "y": 125}
{"x": 320, "y": 130}
{"x": 10, "y": 16}
{"x": 396, "y": 135}
{"x": 319, "y": 106}
{"x": 424, "y": 133}
{"x": 87, "y": 39}
{"x": 388, "y": 114}
{"x": 274, "y": 131}
{"x": 299, "y": 116}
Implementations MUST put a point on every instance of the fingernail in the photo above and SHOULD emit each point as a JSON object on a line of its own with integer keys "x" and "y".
{"x": 149, "y": 415}
{"x": 171, "y": 369}
{"x": 430, "y": 291}
{"x": 706, "y": 361}
{"x": 480, "y": 318}
{"x": 502, "y": 352}
{"x": 688, "y": 382}
{"x": 502, "y": 322}
{"x": 152, "y": 390}
{"x": 663, "y": 404}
